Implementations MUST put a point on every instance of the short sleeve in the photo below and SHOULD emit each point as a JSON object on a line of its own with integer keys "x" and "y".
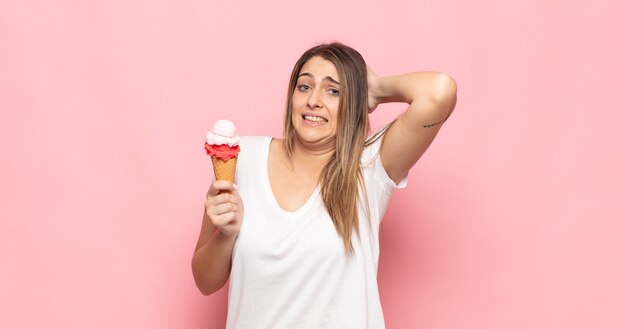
{"x": 372, "y": 163}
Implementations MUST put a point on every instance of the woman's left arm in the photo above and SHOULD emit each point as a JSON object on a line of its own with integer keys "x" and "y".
{"x": 431, "y": 97}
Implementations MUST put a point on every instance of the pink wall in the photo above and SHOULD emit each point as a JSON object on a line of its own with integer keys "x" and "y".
{"x": 513, "y": 219}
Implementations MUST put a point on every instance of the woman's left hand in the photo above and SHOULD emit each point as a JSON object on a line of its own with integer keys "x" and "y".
{"x": 372, "y": 87}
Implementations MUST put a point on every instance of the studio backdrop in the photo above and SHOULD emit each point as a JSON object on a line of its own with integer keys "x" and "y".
{"x": 514, "y": 218}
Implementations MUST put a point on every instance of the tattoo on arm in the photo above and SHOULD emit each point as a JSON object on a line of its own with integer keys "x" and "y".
{"x": 433, "y": 124}
{"x": 436, "y": 123}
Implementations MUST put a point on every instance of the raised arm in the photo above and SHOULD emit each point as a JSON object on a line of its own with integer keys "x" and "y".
{"x": 431, "y": 97}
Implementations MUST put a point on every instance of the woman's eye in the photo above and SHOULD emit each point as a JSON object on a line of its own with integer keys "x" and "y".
{"x": 303, "y": 87}
{"x": 333, "y": 91}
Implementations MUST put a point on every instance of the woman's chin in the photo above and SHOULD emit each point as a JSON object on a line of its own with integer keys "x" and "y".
{"x": 314, "y": 137}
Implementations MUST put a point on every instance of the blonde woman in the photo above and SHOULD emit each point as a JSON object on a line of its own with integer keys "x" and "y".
{"x": 298, "y": 235}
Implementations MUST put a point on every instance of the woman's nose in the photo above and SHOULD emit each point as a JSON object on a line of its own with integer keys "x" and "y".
{"x": 315, "y": 100}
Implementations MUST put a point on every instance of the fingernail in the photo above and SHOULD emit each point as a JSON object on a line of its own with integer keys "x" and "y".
{"x": 235, "y": 186}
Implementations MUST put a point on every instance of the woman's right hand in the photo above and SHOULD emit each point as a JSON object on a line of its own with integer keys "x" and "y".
{"x": 372, "y": 90}
{"x": 224, "y": 207}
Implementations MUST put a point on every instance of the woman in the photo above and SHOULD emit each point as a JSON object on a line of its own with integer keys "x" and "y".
{"x": 304, "y": 252}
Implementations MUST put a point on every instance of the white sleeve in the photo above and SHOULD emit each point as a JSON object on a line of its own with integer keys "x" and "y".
{"x": 371, "y": 157}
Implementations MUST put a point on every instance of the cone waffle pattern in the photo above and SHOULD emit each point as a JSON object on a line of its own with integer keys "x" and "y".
{"x": 224, "y": 170}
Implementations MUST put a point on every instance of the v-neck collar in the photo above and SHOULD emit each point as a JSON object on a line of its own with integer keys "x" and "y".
{"x": 268, "y": 188}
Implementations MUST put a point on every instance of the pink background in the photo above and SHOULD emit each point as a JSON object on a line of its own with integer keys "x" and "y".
{"x": 513, "y": 219}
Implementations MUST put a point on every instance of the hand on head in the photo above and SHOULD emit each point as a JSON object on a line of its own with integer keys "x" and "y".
{"x": 372, "y": 85}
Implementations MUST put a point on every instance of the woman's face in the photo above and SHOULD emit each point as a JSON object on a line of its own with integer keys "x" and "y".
{"x": 315, "y": 101}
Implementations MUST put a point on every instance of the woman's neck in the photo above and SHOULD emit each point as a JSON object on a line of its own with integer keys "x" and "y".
{"x": 311, "y": 159}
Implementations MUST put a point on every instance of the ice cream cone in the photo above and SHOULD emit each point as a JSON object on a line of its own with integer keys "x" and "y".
{"x": 224, "y": 169}
{"x": 222, "y": 144}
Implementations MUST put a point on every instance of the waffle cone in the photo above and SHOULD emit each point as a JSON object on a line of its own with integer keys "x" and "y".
{"x": 224, "y": 169}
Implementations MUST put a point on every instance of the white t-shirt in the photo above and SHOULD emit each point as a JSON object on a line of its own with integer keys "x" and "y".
{"x": 290, "y": 269}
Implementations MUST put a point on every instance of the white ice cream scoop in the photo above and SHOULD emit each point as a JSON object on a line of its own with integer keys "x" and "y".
{"x": 224, "y": 128}
{"x": 224, "y": 132}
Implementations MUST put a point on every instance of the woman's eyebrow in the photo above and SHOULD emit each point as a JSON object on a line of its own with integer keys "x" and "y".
{"x": 326, "y": 78}
{"x": 332, "y": 80}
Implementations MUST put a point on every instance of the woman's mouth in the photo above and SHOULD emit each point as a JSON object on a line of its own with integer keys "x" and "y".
{"x": 315, "y": 120}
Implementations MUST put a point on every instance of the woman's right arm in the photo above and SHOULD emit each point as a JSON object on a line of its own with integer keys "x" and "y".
{"x": 220, "y": 225}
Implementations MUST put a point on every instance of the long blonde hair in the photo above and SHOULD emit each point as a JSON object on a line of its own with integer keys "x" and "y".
{"x": 342, "y": 176}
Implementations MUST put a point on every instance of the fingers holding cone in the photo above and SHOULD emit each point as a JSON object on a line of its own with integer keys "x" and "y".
{"x": 224, "y": 207}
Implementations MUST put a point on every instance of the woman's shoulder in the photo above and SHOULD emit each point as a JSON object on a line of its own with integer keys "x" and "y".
{"x": 253, "y": 141}
{"x": 371, "y": 150}
{"x": 372, "y": 164}
{"x": 252, "y": 149}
